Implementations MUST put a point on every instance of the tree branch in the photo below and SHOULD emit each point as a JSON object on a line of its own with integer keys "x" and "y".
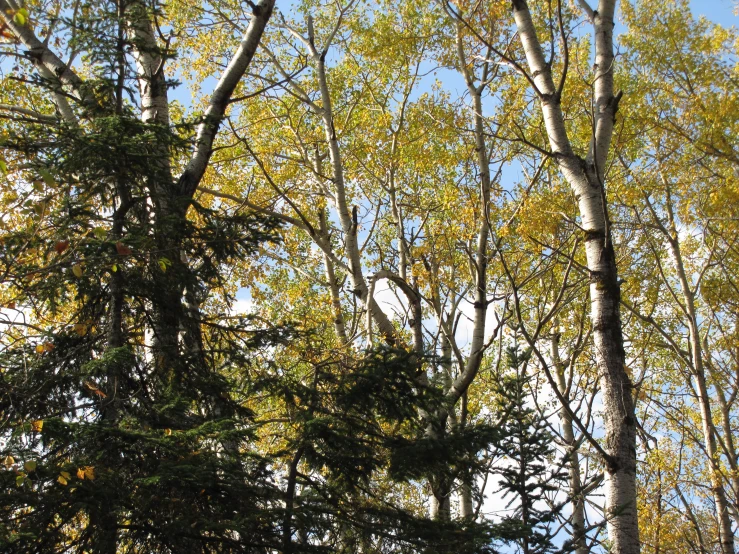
{"x": 193, "y": 174}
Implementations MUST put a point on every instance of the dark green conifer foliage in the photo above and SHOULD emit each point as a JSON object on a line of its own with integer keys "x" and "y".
{"x": 358, "y": 422}
{"x": 109, "y": 446}
{"x": 527, "y": 476}
{"x": 123, "y": 428}
{"x": 151, "y": 439}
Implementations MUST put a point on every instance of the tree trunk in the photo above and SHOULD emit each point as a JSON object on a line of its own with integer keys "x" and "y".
{"x": 348, "y": 220}
{"x": 568, "y": 433}
{"x": 333, "y": 285}
{"x": 466, "y": 506}
{"x": 440, "y": 507}
{"x": 586, "y": 178}
{"x": 726, "y": 536}
{"x": 728, "y": 446}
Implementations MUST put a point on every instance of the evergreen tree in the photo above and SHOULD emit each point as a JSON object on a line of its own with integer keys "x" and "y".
{"x": 120, "y": 429}
{"x": 127, "y": 395}
{"x": 114, "y": 441}
{"x": 527, "y": 475}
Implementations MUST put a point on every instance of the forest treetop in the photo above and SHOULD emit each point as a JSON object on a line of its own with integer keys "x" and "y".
{"x": 487, "y": 248}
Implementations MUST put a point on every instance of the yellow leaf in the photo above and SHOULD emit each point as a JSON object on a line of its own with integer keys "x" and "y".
{"x": 89, "y": 385}
{"x": 30, "y": 466}
{"x": 80, "y": 473}
{"x": 66, "y": 475}
{"x": 168, "y": 432}
{"x": 77, "y": 270}
{"x": 89, "y": 473}
{"x": 37, "y": 425}
{"x": 62, "y": 480}
{"x": 9, "y": 461}
{"x": 39, "y": 349}
{"x": 80, "y": 329}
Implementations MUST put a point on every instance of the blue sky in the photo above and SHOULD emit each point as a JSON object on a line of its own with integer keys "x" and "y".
{"x": 719, "y": 11}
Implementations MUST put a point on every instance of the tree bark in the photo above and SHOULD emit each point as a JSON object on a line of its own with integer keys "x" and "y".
{"x": 726, "y": 536}
{"x": 568, "y": 434}
{"x": 439, "y": 504}
{"x": 480, "y": 264}
{"x": 346, "y": 219}
{"x": 586, "y": 178}
{"x": 333, "y": 285}
{"x": 728, "y": 444}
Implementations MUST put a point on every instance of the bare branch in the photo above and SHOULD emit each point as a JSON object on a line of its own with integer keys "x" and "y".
{"x": 30, "y": 113}
{"x": 193, "y": 174}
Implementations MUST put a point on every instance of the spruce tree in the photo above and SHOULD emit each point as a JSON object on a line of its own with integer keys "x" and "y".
{"x": 120, "y": 432}
{"x": 128, "y": 394}
{"x": 527, "y": 475}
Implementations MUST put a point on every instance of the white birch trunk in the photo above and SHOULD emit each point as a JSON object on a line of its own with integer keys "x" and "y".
{"x": 480, "y": 263}
{"x": 348, "y": 221}
{"x": 568, "y": 434}
{"x": 728, "y": 446}
{"x": 333, "y": 285}
{"x": 586, "y": 178}
{"x": 726, "y": 536}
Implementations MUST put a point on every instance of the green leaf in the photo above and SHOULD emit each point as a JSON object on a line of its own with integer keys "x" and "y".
{"x": 47, "y": 177}
{"x": 164, "y": 263}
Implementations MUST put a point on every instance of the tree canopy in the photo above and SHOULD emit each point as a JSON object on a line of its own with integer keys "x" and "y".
{"x": 368, "y": 277}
